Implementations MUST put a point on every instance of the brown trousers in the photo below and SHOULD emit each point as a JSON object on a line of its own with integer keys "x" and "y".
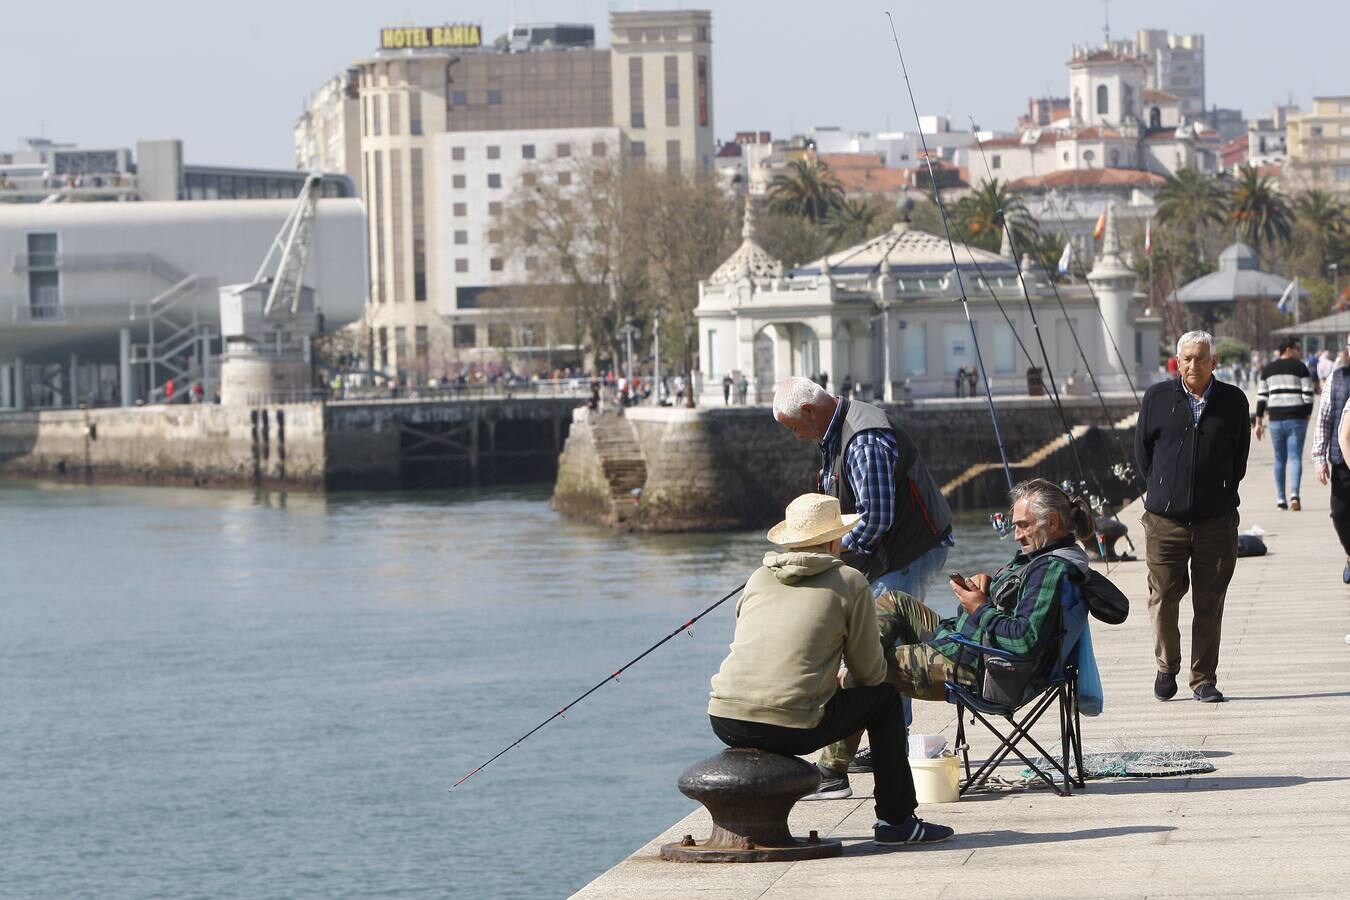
{"x": 1210, "y": 548}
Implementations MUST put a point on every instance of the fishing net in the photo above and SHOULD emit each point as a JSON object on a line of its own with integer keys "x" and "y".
{"x": 1116, "y": 758}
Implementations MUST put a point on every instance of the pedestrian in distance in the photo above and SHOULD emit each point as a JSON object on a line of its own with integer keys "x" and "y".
{"x": 1191, "y": 445}
{"x": 1284, "y": 394}
{"x": 726, "y": 389}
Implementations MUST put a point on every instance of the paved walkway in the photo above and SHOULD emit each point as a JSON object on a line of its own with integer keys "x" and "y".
{"x": 1273, "y": 819}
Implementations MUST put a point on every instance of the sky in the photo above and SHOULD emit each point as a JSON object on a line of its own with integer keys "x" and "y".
{"x": 229, "y": 79}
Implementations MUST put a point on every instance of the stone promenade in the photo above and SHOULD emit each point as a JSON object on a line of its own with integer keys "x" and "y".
{"x": 1273, "y": 819}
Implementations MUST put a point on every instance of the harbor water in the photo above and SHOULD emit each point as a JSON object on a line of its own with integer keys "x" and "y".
{"x": 230, "y": 694}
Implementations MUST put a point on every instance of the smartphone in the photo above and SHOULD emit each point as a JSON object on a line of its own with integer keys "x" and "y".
{"x": 959, "y": 580}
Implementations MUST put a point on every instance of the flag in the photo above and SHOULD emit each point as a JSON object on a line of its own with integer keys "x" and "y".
{"x": 1289, "y": 297}
{"x": 1065, "y": 257}
{"x": 1100, "y": 228}
{"x": 1148, "y": 238}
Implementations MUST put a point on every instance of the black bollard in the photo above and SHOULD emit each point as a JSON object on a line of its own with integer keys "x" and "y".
{"x": 749, "y": 793}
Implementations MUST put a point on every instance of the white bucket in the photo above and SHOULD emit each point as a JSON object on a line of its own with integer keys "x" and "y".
{"x": 937, "y": 780}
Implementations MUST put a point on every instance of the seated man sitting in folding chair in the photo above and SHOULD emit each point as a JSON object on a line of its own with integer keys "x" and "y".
{"x": 1019, "y": 610}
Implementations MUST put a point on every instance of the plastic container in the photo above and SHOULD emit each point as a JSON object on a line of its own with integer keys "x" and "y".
{"x": 926, "y": 745}
{"x": 937, "y": 780}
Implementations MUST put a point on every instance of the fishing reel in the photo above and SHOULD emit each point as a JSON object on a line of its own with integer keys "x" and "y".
{"x": 1002, "y": 527}
{"x": 1124, "y": 472}
{"x": 1078, "y": 490}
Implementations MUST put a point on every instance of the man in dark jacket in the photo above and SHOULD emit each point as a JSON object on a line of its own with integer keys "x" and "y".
{"x": 1191, "y": 444}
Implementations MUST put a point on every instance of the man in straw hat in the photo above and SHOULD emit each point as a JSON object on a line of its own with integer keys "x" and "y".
{"x": 799, "y": 615}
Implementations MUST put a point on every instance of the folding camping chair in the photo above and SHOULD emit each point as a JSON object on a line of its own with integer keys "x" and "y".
{"x": 1021, "y": 717}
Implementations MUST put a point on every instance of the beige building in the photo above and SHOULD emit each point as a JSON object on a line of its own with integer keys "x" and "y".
{"x": 328, "y": 133}
{"x": 1319, "y": 145}
{"x": 647, "y": 97}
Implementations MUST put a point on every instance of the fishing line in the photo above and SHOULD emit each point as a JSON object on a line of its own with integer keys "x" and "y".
{"x": 951, "y": 246}
{"x": 614, "y": 676}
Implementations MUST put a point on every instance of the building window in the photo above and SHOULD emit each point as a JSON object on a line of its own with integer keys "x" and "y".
{"x": 914, "y": 348}
{"x": 637, "y": 149}
{"x": 528, "y": 178}
{"x": 1103, "y": 107}
{"x": 401, "y": 346}
{"x": 672, "y": 91}
{"x": 635, "y": 101}
{"x": 701, "y": 90}
{"x": 564, "y": 178}
{"x": 457, "y": 154}
{"x": 376, "y": 102}
{"x": 461, "y": 209}
{"x": 599, "y": 149}
{"x": 494, "y": 180}
{"x": 564, "y": 151}
{"x": 420, "y": 348}
{"x": 1005, "y": 356}
{"x": 495, "y": 208}
{"x": 365, "y": 117}
{"x": 383, "y": 344}
{"x": 499, "y": 335}
{"x": 461, "y": 265}
{"x": 672, "y": 154}
{"x": 379, "y": 267}
{"x": 713, "y": 369}
{"x": 459, "y": 98}
{"x": 415, "y": 112}
{"x": 466, "y": 335}
{"x": 494, "y": 97}
{"x": 527, "y": 151}
{"x": 996, "y": 161}
{"x": 1089, "y": 155}
{"x": 494, "y": 151}
{"x": 494, "y": 235}
{"x": 461, "y": 237}
{"x": 495, "y": 263}
{"x": 44, "y": 280}
{"x": 457, "y": 181}
{"x": 394, "y": 104}
{"x": 419, "y": 226}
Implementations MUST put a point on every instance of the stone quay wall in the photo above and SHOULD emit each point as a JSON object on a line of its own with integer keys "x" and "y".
{"x": 735, "y": 467}
{"x": 303, "y": 446}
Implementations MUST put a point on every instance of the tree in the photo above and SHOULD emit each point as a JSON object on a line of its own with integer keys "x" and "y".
{"x": 1189, "y": 203}
{"x": 979, "y": 216}
{"x": 1319, "y": 231}
{"x": 1259, "y": 211}
{"x": 852, "y": 222}
{"x": 808, "y": 188}
{"x": 792, "y": 240}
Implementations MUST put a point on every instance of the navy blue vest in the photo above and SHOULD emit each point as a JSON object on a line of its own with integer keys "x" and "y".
{"x": 1340, "y": 390}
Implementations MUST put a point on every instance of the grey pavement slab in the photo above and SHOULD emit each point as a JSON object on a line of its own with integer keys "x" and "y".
{"x": 1272, "y": 820}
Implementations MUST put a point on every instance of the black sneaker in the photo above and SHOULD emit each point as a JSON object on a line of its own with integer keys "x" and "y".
{"x": 1280, "y": 504}
{"x": 911, "y": 831}
{"x": 1208, "y": 693}
{"x": 832, "y": 786}
{"x": 1165, "y": 686}
{"x": 862, "y": 761}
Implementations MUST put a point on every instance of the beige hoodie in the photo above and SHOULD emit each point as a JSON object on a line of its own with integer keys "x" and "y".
{"x": 797, "y": 616}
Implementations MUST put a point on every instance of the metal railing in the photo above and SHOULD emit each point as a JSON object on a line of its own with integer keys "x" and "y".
{"x": 87, "y": 262}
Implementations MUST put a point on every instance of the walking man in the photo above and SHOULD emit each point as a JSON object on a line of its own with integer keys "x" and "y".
{"x": 1328, "y": 461}
{"x": 1285, "y": 391}
{"x": 1191, "y": 444}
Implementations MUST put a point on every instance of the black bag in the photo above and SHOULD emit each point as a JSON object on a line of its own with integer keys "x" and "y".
{"x": 1250, "y": 545}
{"x": 1008, "y": 682}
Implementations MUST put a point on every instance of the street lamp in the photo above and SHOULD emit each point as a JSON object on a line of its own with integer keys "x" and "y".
{"x": 688, "y": 365}
{"x": 656, "y": 363}
{"x": 1336, "y": 286}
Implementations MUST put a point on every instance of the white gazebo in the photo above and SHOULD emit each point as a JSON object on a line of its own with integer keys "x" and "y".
{"x": 886, "y": 315}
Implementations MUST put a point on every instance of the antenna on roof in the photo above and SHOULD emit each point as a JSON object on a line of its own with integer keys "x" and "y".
{"x": 1106, "y": 25}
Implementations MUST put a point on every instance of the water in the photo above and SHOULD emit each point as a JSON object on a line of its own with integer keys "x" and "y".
{"x": 219, "y": 694}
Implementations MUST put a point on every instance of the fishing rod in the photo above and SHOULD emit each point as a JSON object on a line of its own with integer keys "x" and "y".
{"x": 1125, "y": 468}
{"x": 1102, "y": 504}
{"x": 608, "y": 678}
{"x": 960, "y": 282}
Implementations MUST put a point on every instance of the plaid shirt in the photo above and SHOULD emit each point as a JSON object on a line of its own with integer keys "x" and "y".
{"x": 869, "y": 461}
{"x": 1031, "y": 622}
{"x": 1198, "y": 403}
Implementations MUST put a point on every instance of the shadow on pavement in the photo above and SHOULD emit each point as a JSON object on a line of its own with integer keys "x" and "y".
{"x": 976, "y": 839}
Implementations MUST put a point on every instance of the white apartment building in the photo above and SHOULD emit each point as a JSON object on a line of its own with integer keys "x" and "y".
{"x": 328, "y": 133}
{"x": 1176, "y": 64}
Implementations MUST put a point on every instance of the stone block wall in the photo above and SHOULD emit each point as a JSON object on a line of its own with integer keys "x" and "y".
{"x": 581, "y": 490}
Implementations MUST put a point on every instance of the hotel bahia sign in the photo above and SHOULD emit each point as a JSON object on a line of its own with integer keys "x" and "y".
{"x": 436, "y": 36}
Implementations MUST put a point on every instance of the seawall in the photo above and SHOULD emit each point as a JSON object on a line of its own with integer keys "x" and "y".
{"x": 735, "y": 467}
{"x": 304, "y": 446}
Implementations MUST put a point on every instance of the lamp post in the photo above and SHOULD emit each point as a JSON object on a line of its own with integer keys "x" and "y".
{"x": 688, "y": 365}
{"x": 628, "y": 330}
{"x": 1335, "y": 285}
{"x": 656, "y": 362}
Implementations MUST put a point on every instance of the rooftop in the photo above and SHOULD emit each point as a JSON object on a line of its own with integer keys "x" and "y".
{"x": 1085, "y": 178}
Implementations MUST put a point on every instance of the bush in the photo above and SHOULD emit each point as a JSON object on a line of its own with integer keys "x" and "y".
{"x": 1231, "y": 350}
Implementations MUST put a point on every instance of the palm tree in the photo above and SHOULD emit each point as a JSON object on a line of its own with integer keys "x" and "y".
{"x": 1261, "y": 214}
{"x": 807, "y": 189}
{"x": 1320, "y": 226}
{"x": 979, "y": 217}
{"x": 1190, "y": 201}
{"x": 852, "y": 222}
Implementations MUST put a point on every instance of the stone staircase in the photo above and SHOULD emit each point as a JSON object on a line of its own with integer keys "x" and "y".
{"x": 621, "y": 461}
{"x": 1035, "y": 458}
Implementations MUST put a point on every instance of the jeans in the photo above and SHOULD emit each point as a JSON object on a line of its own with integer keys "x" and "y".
{"x": 876, "y": 709}
{"x": 1286, "y": 438}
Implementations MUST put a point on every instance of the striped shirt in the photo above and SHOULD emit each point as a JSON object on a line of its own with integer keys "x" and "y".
{"x": 869, "y": 464}
{"x": 1285, "y": 391}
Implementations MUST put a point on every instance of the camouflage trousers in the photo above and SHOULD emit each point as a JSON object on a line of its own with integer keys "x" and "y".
{"x": 912, "y": 666}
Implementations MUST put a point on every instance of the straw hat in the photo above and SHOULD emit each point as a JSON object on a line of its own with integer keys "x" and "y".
{"x": 812, "y": 519}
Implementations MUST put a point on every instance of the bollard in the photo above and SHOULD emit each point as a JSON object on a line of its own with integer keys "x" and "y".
{"x": 749, "y": 793}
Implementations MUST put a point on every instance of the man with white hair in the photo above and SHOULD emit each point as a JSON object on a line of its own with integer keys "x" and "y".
{"x": 1191, "y": 444}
